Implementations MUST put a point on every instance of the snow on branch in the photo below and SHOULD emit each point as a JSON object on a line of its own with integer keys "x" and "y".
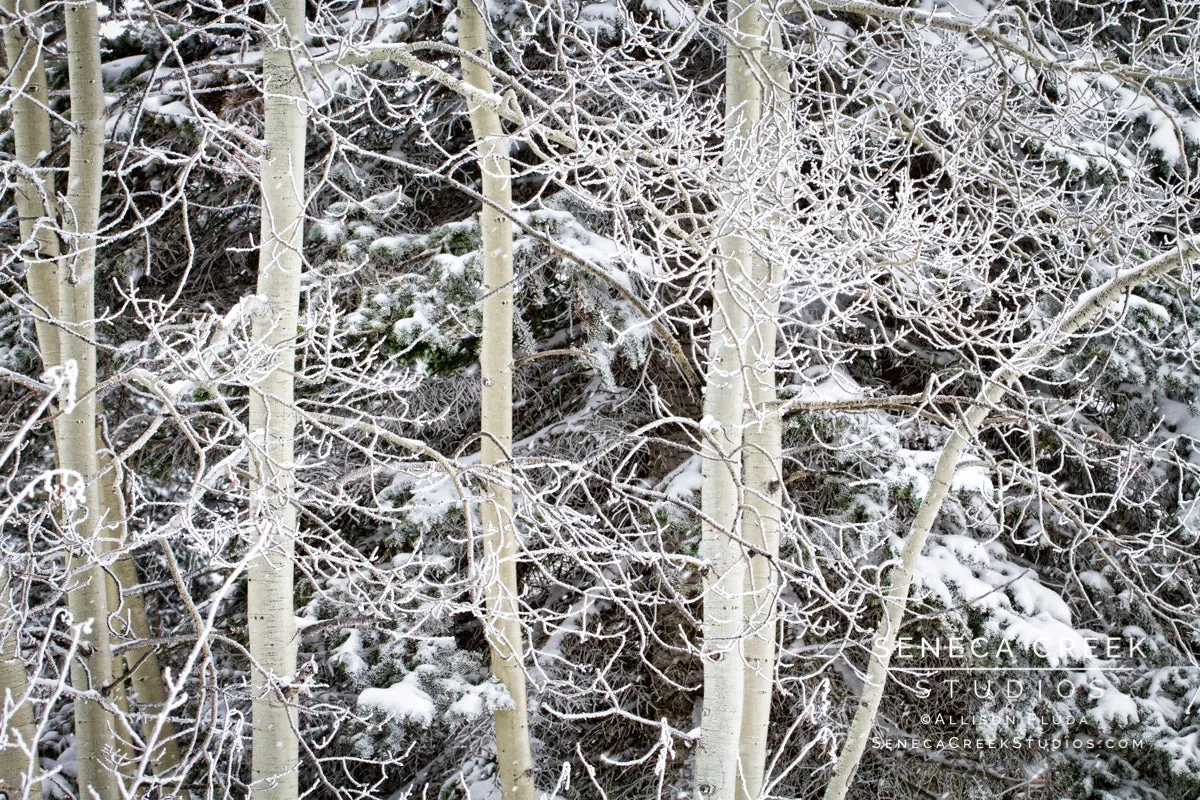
{"x": 1087, "y": 308}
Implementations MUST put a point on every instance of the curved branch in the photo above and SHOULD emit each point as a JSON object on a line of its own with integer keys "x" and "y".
{"x": 1089, "y": 306}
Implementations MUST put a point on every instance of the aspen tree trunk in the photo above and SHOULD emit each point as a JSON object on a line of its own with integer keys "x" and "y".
{"x": 35, "y": 205}
{"x": 35, "y": 208}
{"x": 77, "y": 425}
{"x": 900, "y": 578}
{"x": 762, "y": 464}
{"x": 124, "y": 753}
{"x": 147, "y": 680}
{"x": 724, "y": 404}
{"x": 122, "y": 733}
{"x": 272, "y": 418}
{"x": 513, "y": 753}
{"x": 15, "y": 769}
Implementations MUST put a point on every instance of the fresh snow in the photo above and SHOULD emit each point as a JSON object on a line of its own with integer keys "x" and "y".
{"x": 349, "y": 654}
{"x": 685, "y": 480}
{"x": 404, "y": 700}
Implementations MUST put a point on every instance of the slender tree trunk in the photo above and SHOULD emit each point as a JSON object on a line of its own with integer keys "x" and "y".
{"x": 149, "y": 691}
{"x": 272, "y": 418}
{"x": 513, "y": 753}
{"x": 35, "y": 203}
{"x": 35, "y": 208}
{"x": 763, "y": 486}
{"x": 762, "y": 463}
{"x": 77, "y": 426}
{"x": 900, "y": 578}
{"x": 16, "y": 770}
{"x": 724, "y": 404}
{"x": 126, "y": 755}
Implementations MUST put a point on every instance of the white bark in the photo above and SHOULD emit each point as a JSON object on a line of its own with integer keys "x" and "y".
{"x": 272, "y": 418}
{"x": 513, "y": 752}
{"x": 31, "y": 134}
{"x": 900, "y": 578}
{"x": 762, "y": 464}
{"x": 36, "y": 206}
{"x": 724, "y": 403}
{"x": 18, "y": 755}
{"x": 34, "y": 198}
{"x": 130, "y": 610}
{"x": 77, "y": 426}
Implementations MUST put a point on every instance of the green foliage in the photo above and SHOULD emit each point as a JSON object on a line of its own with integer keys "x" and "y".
{"x": 424, "y": 307}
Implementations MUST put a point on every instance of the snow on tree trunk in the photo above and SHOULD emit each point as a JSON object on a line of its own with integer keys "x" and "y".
{"x": 900, "y": 578}
{"x": 513, "y": 753}
{"x": 272, "y": 624}
{"x": 724, "y": 402}
{"x": 762, "y": 464}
